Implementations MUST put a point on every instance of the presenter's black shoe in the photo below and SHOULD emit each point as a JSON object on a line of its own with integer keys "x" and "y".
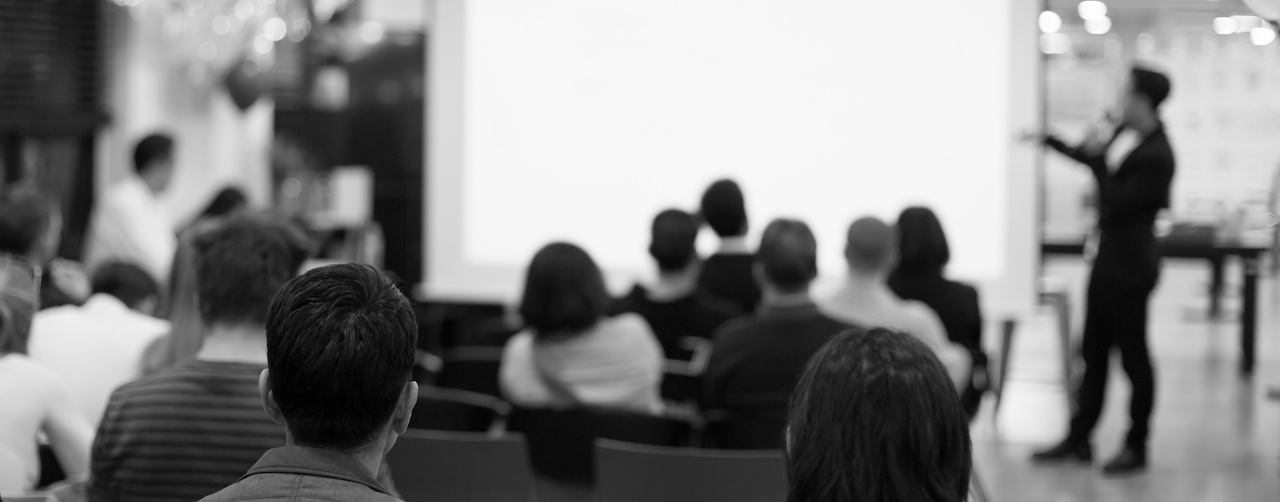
{"x": 1067, "y": 451}
{"x": 1129, "y": 461}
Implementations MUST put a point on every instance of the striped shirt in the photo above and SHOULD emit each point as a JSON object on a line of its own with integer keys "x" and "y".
{"x": 181, "y": 434}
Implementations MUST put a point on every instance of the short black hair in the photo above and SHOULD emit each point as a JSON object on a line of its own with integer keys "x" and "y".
{"x": 227, "y": 201}
{"x": 25, "y": 216}
{"x": 1152, "y": 84}
{"x": 150, "y": 149}
{"x": 674, "y": 240}
{"x": 788, "y": 255}
{"x": 724, "y": 209}
{"x": 564, "y": 291}
{"x": 869, "y": 244}
{"x": 875, "y": 417}
{"x": 125, "y": 281}
{"x": 340, "y": 347}
{"x": 242, "y": 262}
{"x": 922, "y": 245}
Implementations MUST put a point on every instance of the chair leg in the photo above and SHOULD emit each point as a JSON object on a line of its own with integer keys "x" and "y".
{"x": 1006, "y": 345}
{"x": 1062, "y": 306}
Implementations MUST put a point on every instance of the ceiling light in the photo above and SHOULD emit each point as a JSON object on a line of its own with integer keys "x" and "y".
{"x": 1050, "y": 22}
{"x": 1098, "y": 26}
{"x": 1092, "y": 9}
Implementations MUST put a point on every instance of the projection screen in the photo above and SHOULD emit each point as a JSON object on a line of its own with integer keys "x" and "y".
{"x": 579, "y": 120}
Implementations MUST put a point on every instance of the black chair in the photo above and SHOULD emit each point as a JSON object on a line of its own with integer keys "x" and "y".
{"x": 746, "y": 429}
{"x": 561, "y": 442}
{"x": 456, "y": 410}
{"x": 471, "y": 368}
{"x": 461, "y": 467}
{"x": 642, "y": 473}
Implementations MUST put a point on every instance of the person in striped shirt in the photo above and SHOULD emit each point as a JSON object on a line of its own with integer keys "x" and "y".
{"x": 189, "y": 431}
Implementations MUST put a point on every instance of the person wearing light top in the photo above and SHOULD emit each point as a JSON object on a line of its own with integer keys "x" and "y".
{"x": 98, "y": 346}
{"x": 129, "y": 225}
{"x": 572, "y": 354}
{"x": 866, "y": 299}
{"x": 33, "y": 400}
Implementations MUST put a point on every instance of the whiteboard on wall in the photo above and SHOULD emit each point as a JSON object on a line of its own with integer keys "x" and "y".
{"x": 579, "y": 120}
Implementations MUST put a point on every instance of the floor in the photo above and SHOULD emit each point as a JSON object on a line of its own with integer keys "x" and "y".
{"x": 1215, "y": 435}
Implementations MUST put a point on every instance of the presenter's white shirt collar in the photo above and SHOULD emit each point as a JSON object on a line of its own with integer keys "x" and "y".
{"x": 733, "y": 245}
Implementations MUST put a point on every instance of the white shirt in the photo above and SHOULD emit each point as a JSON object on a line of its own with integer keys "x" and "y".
{"x": 873, "y": 304}
{"x": 1125, "y": 143}
{"x": 129, "y": 225}
{"x": 617, "y": 364}
{"x": 94, "y": 348}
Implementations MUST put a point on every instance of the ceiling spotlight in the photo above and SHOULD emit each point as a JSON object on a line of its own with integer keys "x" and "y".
{"x": 1055, "y": 43}
{"x": 1225, "y": 25}
{"x": 1262, "y": 36}
{"x": 1098, "y": 26}
{"x": 1092, "y": 9}
{"x": 1050, "y": 22}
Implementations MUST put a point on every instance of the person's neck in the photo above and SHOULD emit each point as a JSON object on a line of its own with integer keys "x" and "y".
{"x": 1145, "y": 126}
{"x": 775, "y": 298}
{"x": 734, "y": 244}
{"x": 370, "y": 455}
{"x": 238, "y": 343}
{"x": 862, "y": 280}
{"x": 672, "y": 286}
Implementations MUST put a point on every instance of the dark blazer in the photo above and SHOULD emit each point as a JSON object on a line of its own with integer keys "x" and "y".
{"x": 1128, "y": 202}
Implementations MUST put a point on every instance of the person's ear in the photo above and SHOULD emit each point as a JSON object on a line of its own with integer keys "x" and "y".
{"x": 268, "y": 398}
{"x": 404, "y": 407}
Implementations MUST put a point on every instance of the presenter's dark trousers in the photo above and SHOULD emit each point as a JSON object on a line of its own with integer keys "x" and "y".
{"x": 1115, "y": 318}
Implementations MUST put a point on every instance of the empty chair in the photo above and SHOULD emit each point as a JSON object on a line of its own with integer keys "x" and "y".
{"x": 561, "y": 441}
{"x": 456, "y": 410}
{"x": 436, "y": 466}
{"x": 628, "y": 472}
{"x": 745, "y": 429}
{"x": 471, "y": 368}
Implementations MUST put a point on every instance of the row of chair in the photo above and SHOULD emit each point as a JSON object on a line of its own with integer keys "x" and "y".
{"x": 469, "y": 467}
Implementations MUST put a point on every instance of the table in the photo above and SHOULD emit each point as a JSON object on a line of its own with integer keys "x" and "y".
{"x": 1250, "y": 251}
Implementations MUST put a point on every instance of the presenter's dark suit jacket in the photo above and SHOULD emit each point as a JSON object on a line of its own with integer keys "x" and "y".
{"x": 1128, "y": 201}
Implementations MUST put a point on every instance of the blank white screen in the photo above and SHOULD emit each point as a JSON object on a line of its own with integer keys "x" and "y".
{"x": 579, "y": 120}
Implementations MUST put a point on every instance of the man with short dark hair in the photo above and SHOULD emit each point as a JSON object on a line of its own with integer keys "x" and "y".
{"x": 727, "y": 273}
{"x": 129, "y": 224}
{"x": 1133, "y": 164}
{"x": 866, "y": 300}
{"x": 757, "y": 359}
{"x": 672, "y": 305}
{"x": 98, "y": 346}
{"x": 209, "y": 409}
{"x": 340, "y": 348}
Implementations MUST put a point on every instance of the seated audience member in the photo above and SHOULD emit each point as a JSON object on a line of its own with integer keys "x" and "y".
{"x": 62, "y": 282}
{"x": 33, "y": 399}
{"x": 874, "y": 417}
{"x": 673, "y": 306}
{"x": 340, "y": 348}
{"x": 180, "y": 307}
{"x": 922, "y": 257}
{"x": 572, "y": 354}
{"x": 98, "y": 346}
{"x": 209, "y": 409}
{"x": 866, "y": 299}
{"x": 756, "y": 359}
{"x": 727, "y": 273}
{"x": 129, "y": 224}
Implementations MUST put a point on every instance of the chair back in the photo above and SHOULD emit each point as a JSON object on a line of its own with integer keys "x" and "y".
{"x": 456, "y": 410}
{"x": 760, "y": 429}
{"x": 437, "y": 466}
{"x": 628, "y": 472}
{"x": 471, "y": 368}
{"x": 561, "y": 442}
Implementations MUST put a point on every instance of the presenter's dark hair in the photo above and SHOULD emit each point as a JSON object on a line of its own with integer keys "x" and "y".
{"x": 1152, "y": 84}
{"x": 788, "y": 255}
{"x": 127, "y": 282}
{"x": 242, "y": 262}
{"x": 922, "y": 244}
{"x": 150, "y": 149}
{"x": 564, "y": 291}
{"x": 724, "y": 209}
{"x": 875, "y": 417}
{"x": 340, "y": 347}
{"x": 674, "y": 240}
{"x": 25, "y": 216}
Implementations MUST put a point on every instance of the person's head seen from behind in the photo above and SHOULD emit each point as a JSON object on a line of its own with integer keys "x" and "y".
{"x": 673, "y": 243}
{"x": 787, "y": 259}
{"x": 564, "y": 292}
{"x": 153, "y": 161}
{"x": 241, "y": 263}
{"x": 724, "y": 210}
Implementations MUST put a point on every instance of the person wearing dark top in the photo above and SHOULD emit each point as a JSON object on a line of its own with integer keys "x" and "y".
{"x": 193, "y": 429}
{"x": 340, "y": 347}
{"x": 923, "y": 254}
{"x": 672, "y": 305}
{"x": 1133, "y": 166}
{"x": 727, "y": 273}
{"x": 757, "y": 359}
